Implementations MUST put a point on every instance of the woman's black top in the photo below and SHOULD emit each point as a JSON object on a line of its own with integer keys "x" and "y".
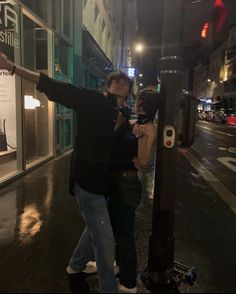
{"x": 125, "y": 148}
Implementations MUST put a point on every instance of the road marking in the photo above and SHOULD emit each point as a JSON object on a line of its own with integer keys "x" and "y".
{"x": 226, "y": 161}
{"x": 223, "y": 133}
{"x": 209, "y": 129}
{"x": 227, "y": 196}
{"x": 232, "y": 150}
{"x": 219, "y": 132}
{"x": 222, "y": 148}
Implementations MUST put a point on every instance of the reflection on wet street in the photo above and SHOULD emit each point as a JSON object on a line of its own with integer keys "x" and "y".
{"x": 29, "y": 223}
{"x": 7, "y": 216}
{"x": 40, "y": 225}
{"x": 28, "y": 203}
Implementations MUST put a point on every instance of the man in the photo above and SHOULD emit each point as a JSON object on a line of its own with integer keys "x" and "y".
{"x": 98, "y": 117}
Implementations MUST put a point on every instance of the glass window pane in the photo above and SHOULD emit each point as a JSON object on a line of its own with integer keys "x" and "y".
{"x": 36, "y": 104}
{"x": 67, "y": 17}
{"x": 41, "y": 49}
{"x": 38, "y": 6}
{"x": 62, "y": 57}
{"x": 9, "y": 134}
{"x": 58, "y": 131}
{"x": 68, "y": 132}
{"x": 56, "y": 15}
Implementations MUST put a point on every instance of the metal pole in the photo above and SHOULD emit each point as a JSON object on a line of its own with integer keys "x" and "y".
{"x": 161, "y": 244}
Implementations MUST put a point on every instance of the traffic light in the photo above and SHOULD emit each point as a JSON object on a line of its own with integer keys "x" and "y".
{"x": 216, "y": 20}
{"x": 205, "y": 30}
{"x": 220, "y": 13}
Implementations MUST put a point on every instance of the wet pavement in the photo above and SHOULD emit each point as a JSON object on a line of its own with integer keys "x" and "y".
{"x": 40, "y": 226}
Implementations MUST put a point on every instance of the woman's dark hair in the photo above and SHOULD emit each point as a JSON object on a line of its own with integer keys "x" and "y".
{"x": 119, "y": 75}
{"x": 149, "y": 102}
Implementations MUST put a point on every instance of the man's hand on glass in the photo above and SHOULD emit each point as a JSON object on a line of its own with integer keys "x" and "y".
{"x": 5, "y": 63}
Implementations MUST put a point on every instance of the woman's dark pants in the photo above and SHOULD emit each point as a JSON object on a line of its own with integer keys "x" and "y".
{"x": 126, "y": 196}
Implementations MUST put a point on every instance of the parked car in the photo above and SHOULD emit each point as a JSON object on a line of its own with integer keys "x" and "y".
{"x": 201, "y": 114}
{"x": 231, "y": 118}
{"x": 223, "y": 114}
{"x": 220, "y": 116}
{"x": 209, "y": 115}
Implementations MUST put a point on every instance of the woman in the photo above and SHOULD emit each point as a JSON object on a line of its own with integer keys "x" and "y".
{"x": 133, "y": 149}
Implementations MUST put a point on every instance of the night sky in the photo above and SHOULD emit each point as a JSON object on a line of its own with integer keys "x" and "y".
{"x": 150, "y": 32}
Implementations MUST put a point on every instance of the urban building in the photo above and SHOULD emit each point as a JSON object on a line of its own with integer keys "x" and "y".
{"x": 215, "y": 82}
{"x": 230, "y": 70}
{"x": 200, "y": 84}
{"x": 108, "y": 37}
{"x": 76, "y": 41}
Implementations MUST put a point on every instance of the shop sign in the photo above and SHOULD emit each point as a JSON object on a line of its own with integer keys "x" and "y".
{"x": 8, "y": 26}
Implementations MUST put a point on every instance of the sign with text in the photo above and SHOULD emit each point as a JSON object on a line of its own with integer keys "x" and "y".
{"x": 130, "y": 71}
{"x": 9, "y": 27}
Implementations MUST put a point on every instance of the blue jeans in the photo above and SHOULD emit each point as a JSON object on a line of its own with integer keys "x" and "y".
{"x": 97, "y": 239}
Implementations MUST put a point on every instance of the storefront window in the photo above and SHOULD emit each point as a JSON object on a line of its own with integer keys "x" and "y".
{"x": 67, "y": 11}
{"x": 64, "y": 119}
{"x": 56, "y": 15}
{"x": 68, "y": 132}
{"x": 38, "y": 6}
{"x": 36, "y": 105}
{"x": 62, "y": 17}
{"x": 10, "y": 144}
{"x": 63, "y": 52}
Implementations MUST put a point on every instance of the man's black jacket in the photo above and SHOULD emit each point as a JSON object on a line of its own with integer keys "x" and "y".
{"x": 90, "y": 164}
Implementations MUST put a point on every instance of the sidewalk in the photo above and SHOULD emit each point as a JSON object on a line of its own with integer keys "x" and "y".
{"x": 40, "y": 226}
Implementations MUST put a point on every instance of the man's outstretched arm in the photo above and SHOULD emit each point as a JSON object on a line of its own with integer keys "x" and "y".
{"x": 27, "y": 74}
{"x": 57, "y": 91}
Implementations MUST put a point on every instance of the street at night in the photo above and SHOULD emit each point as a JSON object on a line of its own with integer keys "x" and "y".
{"x": 40, "y": 226}
{"x": 215, "y": 147}
{"x": 117, "y": 146}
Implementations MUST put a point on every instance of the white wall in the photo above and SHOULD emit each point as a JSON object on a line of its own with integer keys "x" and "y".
{"x": 8, "y": 106}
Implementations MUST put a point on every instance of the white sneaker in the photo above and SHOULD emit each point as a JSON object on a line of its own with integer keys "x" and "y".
{"x": 123, "y": 289}
{"x": 90, "y": 268}
{"x": 69, "y": 270}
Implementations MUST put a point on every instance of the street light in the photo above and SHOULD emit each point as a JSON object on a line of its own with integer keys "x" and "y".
{"x": 139, "y": 48}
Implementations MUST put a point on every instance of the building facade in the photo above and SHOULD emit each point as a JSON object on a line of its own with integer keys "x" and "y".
{"x": 230, "y": 70}
{"x": 109, "y": 29}
{"x": 61, "y": 39}
{"x": 215, "y": 82}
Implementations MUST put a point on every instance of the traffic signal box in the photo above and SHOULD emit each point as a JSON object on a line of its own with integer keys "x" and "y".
{"x": 187, "y": 121}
